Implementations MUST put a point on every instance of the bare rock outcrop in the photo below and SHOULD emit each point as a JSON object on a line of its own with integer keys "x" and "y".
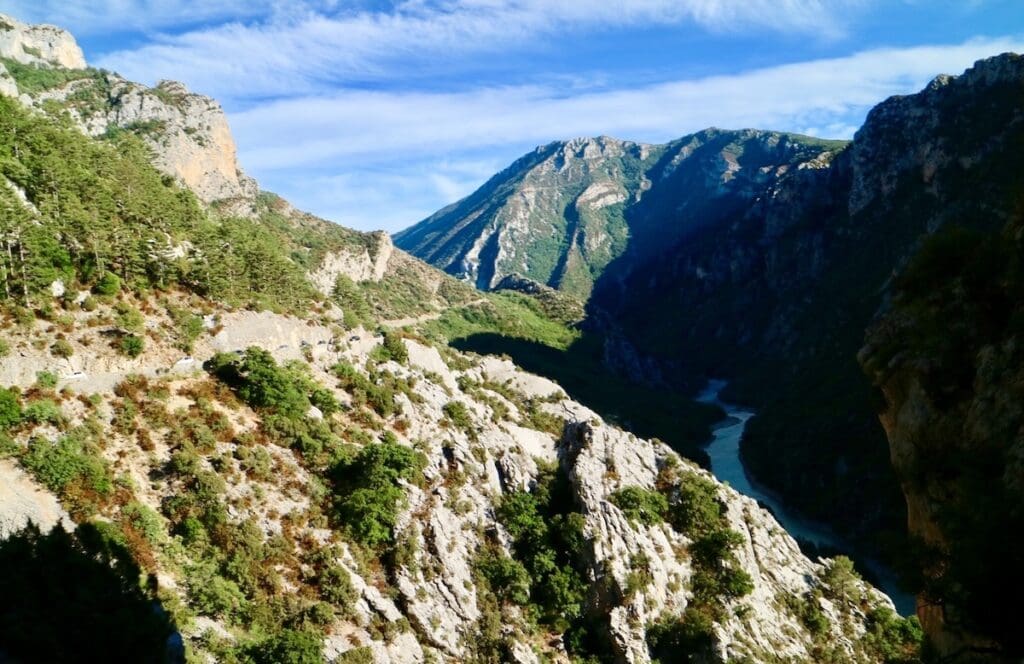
{"x": 39, "y": 44}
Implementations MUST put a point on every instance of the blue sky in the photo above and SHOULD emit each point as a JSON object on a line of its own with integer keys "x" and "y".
{"x": 375, "y": 114}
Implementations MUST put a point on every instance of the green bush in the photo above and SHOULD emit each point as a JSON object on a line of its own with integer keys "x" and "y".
{"x": 458, "y": 414}
{"x": 393, "y": 348}
{"x": 46, "y": 380}
{"x": 72, "y": 469}
{"x": 62, "y": 348}
{"x": 129, "y": 318}
{"x": 132, "y": 345}
{"x": 213, "y": 595}
{"x": 289, "y": 646}
{"x": 688, "y": 638}
{"x": 43, "y": 411}
{"x": 548, "y": 540}
{"x": 892, "y": 639}
{"x": 696, "y": 508}
{"x": 109, "y": 284}
{"x": 639, "y": 504}
{"x": 10, "y": 408}
{"x": 368, "y": 491}
{"x": 841, "y": 581}
{"x": 5, "y": 348}
{"x": 262, "y": 384}
{"x": 506, "y": 578}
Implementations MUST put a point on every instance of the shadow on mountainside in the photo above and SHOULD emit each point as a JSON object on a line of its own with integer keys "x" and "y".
{"x": 76, "y": 597}
{"x": 649, "y": 413}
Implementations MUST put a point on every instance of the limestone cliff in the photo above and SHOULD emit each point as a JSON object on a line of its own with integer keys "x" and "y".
{"x": 188, "y": 132}
{"x": 39, "y": 44}
{"x": 570, "y": 211}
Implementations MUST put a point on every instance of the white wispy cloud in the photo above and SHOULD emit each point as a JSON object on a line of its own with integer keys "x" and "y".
{"x": 319, "y": 44}
{"x": 387, "y": 144}
{"x": 822, "y": 94}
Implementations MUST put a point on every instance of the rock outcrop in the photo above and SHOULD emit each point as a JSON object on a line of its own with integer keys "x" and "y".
{"x": 367, "y": 263}
{"x": 45, "y": 45}
{"x": 188, "y": 132}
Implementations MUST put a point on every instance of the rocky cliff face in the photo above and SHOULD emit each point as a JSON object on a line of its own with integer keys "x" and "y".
{"x": 572, "y": 211}
{"x": 39, "y": 44}
{"x": 946, "y": 355}
{"x": 554, "y": 216}
{"x": 188, "y": 132}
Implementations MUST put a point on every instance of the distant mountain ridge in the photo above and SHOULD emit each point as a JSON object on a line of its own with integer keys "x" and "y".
{"x": 563, "y": 213}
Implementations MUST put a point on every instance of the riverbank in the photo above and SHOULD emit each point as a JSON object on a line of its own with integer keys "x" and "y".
{"x": 727, "y": 466}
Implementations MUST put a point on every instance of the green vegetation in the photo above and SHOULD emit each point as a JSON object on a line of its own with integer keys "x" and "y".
{"x": 695, "y": 510}
{"x": 458, "y": 414}
{"x": 641, "y": 505}
{"x": 109, "y": 221}
{"x": 392, "y": 349}
{"x": 548, "y": 541}
{"x": 33, "y": 78}
{"x": 10, "y": 408}
{"x": 72, "y": 468}
{"x": 288, "y": 646}
{"x": 368, "y": 490}
{"x": 131, "y": 345}
{"x": 261, "y": 383}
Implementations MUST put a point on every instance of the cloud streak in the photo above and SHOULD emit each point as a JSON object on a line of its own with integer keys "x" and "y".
{"x": 314, "y": 47}
{"x": 366, "y": 125}
{"x": 410, "y": 143}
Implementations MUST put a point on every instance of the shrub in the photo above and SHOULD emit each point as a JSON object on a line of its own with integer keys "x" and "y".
{"x": 507, "y": 578}
{"x": 61, "y": 348}
{"x": 458, "y": 414}
{"x": 696, "y": 508}
{"x": 129, "y": 318}
{"x": 43, "y": 411}
{"x": 368, "y": 490}
{"x": 46, "y": 380}
{"x": 639, "y": 504}
{"x": 547, "y": 540}
{"x": 69, "y": 468}
{"x": 841, "y": 580}
{"x": 132, "y": 345}
{"x": 213, "y": 595}
{"x": 393, "y": 348}
{"x": 681, "y": 639}
{"x": 10, "y": 409}
{"x": 893, "y": 639}
{"x": 262, "y": 384}
{"x": 288, "y": 646}
{"x": 335, "y": 585}
{"x": 5, "y": 348}
{"x": 109, "y": 284}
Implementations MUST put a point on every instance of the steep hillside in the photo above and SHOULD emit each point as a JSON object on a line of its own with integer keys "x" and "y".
{"x": 566, "y": 212}
{"x": 946, "y": 355}
{"x": 779, "y": 299}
